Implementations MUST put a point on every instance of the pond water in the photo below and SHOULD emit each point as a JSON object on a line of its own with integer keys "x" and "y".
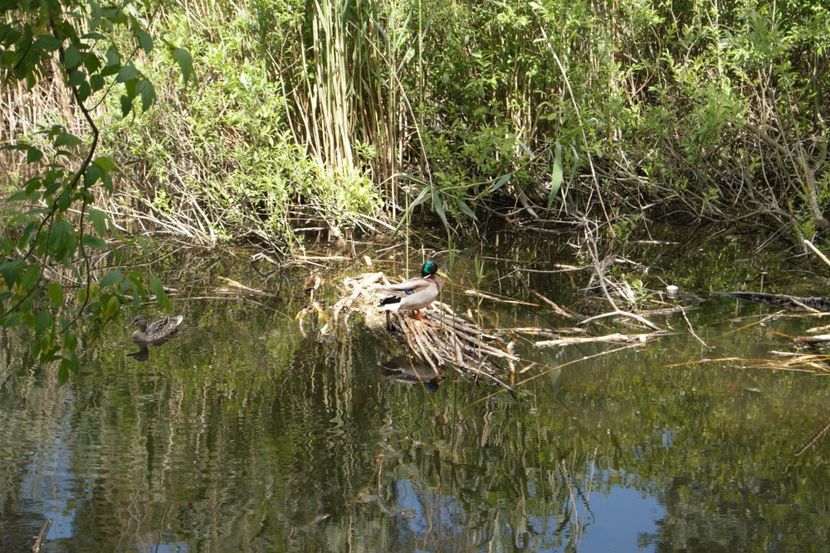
{"x": 240, "y": 434}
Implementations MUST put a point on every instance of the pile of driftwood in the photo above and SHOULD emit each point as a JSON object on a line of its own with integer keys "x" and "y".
{"x": 444, "y": 338}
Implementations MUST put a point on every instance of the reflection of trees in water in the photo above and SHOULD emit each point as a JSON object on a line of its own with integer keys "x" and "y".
{"x": 248, "y": 440}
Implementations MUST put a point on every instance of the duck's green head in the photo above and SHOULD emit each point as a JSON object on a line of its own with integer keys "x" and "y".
{"x": 429, "y": 268}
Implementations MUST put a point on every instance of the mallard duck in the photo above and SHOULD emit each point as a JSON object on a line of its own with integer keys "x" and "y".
{"x": 155, "y": 332}
{"x": 415, "y": 293}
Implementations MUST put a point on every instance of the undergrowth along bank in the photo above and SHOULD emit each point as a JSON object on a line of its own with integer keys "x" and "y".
{"x": 359, "y": 114}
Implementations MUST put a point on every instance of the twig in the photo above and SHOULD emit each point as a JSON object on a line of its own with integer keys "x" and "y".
{"x": 562, "y": 268}
{"x": 619, "y": 313}
{"x": 817, "y": 252}
{"x": 816, "y": 437}
{"x": 482, "y": 295}
{"x": 561, "y": 311}
{"x": 692, "y": 330}
{"x": 37, "y": 546}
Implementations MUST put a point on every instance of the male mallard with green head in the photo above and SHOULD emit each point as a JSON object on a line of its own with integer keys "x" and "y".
{"x": 155, "y": 332}
{"x": 415, "y": 293}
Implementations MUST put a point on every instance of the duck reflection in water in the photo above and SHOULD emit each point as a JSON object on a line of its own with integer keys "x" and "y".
{"x": 141, "y": 355}
{"x": 409, "y": 370}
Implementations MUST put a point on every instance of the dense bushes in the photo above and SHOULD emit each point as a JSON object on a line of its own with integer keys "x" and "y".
{"x": 331, "y": 110}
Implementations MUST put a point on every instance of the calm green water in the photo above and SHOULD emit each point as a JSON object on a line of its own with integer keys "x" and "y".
{"x": 241, "y": 435}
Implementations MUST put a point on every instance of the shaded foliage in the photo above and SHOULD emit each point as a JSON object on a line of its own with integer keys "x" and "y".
{"x": 52, "y": 239}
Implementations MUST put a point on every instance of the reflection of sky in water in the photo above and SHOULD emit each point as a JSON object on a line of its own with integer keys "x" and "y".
{"x": 52, "y": 489}
{"x": 619, "y": 519}
{"x": 615, "y": 522}
{"x": 448, "y": 514}
{"x": 49, "y": 485}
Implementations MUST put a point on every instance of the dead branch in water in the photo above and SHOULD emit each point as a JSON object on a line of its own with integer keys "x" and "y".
{"x": 792, "y": 362}
{"x": 490, "y": 297}
{"x": 619, "y": 313}
{"x": 817, "y": 252}
{"x": 812, "y": 441}
{"x": 820, "y": 339}
{"x": 561, "y": 311}
{"x": 234, "y": 287}
{"x": 615, "y": 338}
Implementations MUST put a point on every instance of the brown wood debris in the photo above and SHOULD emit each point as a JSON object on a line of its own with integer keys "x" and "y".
{"x": 443, "y": 339}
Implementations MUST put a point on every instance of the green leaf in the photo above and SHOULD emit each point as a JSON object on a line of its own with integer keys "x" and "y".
{"x": 107, "y": 182}
{"x": 70, "y": 341}
{"x": 99, "y": 221}
{"x": 21, "y": 195}
{"x": 92, "y": 62}
{"x": 11, "y": 320}
{"x": 148, "y": 94}
{"x": 6, "y": 246}
{"x": 111, "y": 278}
{"x": 502, "y": 180}
{"x": 438, "y": 204}
{"x": 144, "y": 40}
{"x": 55, "y": 293}
{"x": 64, "y": 199}
{"x": 11, "y": 271}
{"x": 112, "y": 307}
{"x": 83, "y": 91}
{"x": 30, "y": 277}
{"x": 465, "y": 209}
{"x": 556, "y": 175}
{"x": 72, "y": 57}
{"x": 92, "y": 174}
{"x": 76, "y": 77}
{"x": 135, "y": 286}
{"x": 185, "y": 61}
{"x": 106, "y": 164}
{"x": 66, "y": 139}
{"x": 23, "y": 241}
{"x": 63, "y": 372}
{"x": 46, "y": 42}
{"x": 157, "y": 289}
{"x": 62, "y": 242}
{"x": 43, "y": 320}
{"x": 126, "y": 105}
{"x": 126, "y": 73}
{"x": 94, "y": 242}
{"x": 421, "y": 198}
{"x": 130, "y": 87}
{"x": 113, "y": 58}
{"x": 96, "y": 82}
{"x": 33, "y": 155}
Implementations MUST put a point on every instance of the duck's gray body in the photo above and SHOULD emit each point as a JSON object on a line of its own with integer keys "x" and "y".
{"x": 412, "y": 294}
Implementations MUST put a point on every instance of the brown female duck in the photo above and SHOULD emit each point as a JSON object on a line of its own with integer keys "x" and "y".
{"x": 155, "y": 332}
